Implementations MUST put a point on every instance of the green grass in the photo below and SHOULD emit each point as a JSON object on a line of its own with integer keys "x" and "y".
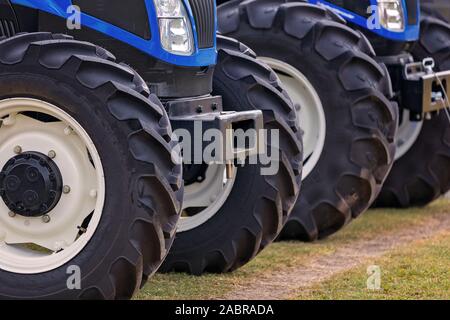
{"x": 420, "y": 271}
{"x": 285, "y": 254}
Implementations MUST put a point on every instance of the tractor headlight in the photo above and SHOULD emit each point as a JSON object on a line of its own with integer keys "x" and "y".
{"x": 174, "y": 27}
{"x": 391, "y": 14}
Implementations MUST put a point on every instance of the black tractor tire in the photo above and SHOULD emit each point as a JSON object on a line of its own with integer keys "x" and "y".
{"x": 423, "y": 173}
{"x": 361, "y": 121}
{"x": 132, "y": 134}
{"x": 259, "y": 205}
{"x": 436, "y": 8}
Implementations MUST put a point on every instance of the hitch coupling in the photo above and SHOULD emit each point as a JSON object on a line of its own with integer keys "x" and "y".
{"x": 202, "y": 125}
{"x": 424, "y": 90}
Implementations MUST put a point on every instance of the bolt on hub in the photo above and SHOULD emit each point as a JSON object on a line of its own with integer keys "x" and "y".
{"x": 31, "y": 184}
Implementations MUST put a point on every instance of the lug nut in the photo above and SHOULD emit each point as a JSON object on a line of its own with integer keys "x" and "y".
{"x": 93, "y": 193}
{"x": 66, "y": 189}
{"x": 68, "y": 131}
{"x": 12, "y": 214}
{"x": 59, "y": 245}
{"x": 17, "y": 149}
{"x": 82, "y": 230}
{"x": 51, "y": 154}
{"x": 9, "y": 121}
{"x": 46, "y": 218}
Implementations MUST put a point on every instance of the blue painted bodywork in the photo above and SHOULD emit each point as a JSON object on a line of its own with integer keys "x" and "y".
{"x": 411, "y": 32}
{"x": 152, "y": 47}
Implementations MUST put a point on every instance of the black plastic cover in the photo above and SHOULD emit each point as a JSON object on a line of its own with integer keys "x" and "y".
{"x": 130, "y": 15}
{"x": 359, "y": 7}
{"x": 165, "y": 80}
{"x": 8, "y": 23}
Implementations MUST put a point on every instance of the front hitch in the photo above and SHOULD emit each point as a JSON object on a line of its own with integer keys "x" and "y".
{"x": 425, "y": 90}
{"x": 417, "y": 87}
{"x": 210, "y": 135}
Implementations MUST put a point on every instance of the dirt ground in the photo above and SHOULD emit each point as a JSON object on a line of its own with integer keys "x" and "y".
{"x": 285, "y": 283}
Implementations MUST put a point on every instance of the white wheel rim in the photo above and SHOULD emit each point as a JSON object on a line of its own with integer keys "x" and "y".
{"x": 407, "y": 134}
{"x": 210, "y": 194}
{"x": 311, "y": 115}
{"x": 72, "y": 146}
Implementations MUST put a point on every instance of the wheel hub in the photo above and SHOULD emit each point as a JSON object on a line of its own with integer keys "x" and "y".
{"x": 206, "y": 190}
{"x": 31, "y": 184}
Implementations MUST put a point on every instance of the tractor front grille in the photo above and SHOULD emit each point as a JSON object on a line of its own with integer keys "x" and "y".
{"x": 413, "y": 14}
{"x": 7, "y": 28}
{"x": 204, "y": 14}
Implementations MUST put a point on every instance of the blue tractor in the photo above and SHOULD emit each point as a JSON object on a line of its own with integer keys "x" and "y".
{"x": 99, "y": 103}
{"x": 357, "y": 70}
